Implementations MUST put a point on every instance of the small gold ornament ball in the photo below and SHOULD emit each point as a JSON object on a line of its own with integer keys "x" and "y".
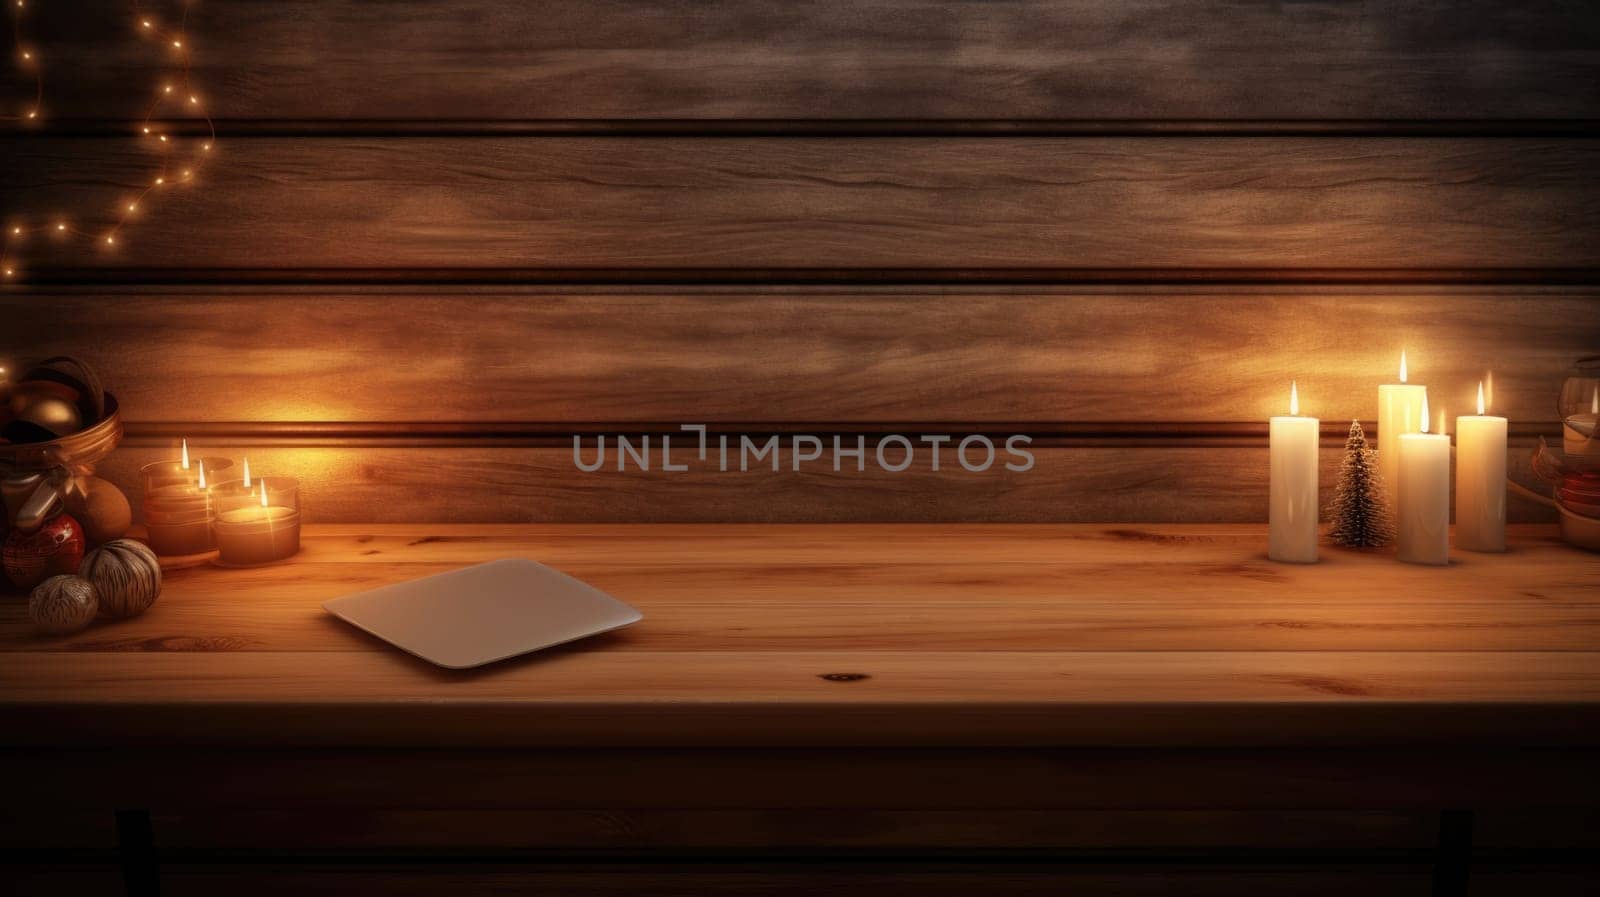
{"x": 41, "y": 417}
{"x": 63, "y": 604}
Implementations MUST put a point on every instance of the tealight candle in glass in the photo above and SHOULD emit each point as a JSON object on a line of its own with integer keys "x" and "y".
{"x": 178, "y": 504}
{"x": 265, "y": 529}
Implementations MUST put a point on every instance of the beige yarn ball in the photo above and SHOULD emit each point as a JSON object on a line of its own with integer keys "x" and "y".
{"x": 126, "y": 575}
{"x": 63, "y": 604}
{"x": 101, "y": 508}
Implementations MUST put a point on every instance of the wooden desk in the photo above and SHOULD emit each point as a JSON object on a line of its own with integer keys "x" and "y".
{"x": 849, "y": 707}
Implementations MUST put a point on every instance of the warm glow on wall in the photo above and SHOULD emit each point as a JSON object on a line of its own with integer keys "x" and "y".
{"x": 148, "y": 26}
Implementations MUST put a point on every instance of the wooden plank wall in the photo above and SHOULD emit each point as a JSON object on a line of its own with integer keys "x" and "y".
{"x": 437, "y": 240}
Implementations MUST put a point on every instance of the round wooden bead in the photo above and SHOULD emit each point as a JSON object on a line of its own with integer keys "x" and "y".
{"x": 126, "y": 575}
{"x": 63, "y": 604}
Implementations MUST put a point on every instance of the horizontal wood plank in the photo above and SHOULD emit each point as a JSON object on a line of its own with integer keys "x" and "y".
{"x": 1142, "y": 203}
{"x": 808, "y": 698}
{"x": 792, "y": 830}
{"x": 185, "y": 778}
{"x": 928, "y": 59}
{"x": 1106, "y": 659}
{"x": 803, "y": 880}
{"x": 383, "y": 483}
{"x": 611, "y": 358}
{"x": 1064, "y": 588}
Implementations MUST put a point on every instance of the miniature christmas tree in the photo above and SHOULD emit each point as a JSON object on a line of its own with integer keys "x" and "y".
{"x": 1361, "y": 517}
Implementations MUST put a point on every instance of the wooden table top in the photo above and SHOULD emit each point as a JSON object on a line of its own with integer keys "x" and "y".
{"x": 854, "y": 635}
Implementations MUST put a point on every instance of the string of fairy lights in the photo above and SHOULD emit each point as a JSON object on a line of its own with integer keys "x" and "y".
{"x": 175, "y": 96}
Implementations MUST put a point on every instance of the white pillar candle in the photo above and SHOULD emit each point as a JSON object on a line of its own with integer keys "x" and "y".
{"x": 1481, "y": 481}
{"x": 1422, "y": 509}
{"x": 1292, "y": 516}
{"x": 1399, "y": 412}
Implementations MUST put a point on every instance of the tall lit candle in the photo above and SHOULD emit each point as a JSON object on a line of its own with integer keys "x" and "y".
{"x": 1422, "y": 507}
{"x": 1292, "y": 516}
{"x": 1481, "y": 480}
{"x": 1399, "y": 412}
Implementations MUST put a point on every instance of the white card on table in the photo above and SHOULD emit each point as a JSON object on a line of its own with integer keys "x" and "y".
{"x": 477, "y": 615}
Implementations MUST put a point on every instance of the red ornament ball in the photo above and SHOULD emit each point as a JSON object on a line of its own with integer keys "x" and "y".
{"x": 56, "y": 547}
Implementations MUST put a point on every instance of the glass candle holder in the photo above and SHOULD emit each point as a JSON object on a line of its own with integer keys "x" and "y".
{"x": 264, "y": 530}
{"x": 1580, "y": 422}
{"x": 177, "y": 512}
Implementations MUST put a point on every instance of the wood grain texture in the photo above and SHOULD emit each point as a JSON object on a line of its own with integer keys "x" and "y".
{"x": 1065, "y": 588}
{"x": 1086, "y": 648}
{"x": 1141, "y": 203}
{"x": 610, "y": 358}
{"x": 384, "y": 483}
{"x": 931, "y": 59}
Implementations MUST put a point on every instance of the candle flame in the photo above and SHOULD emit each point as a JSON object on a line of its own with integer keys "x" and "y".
{"x": 1403, "y": 368}
{"x": 186, "y": 454}
{"x": 1424, "y": 412}
{"x": 1594, "y": 401}
{"x": 1442, "y": 430}
{"x": 1488, "y": 379}
{"x": 263, "y": 494}
{"x": 247, "y": 457}
{"x": 1480, "y": 396}
{"x": 202, "y": 481}
{"x": 1294, "y": 398}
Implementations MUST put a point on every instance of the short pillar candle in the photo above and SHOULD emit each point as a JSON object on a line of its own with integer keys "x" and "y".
{"x": 1422, "y": 508}
{"x": 1481, "y": 480}
{"x": 1292, "y": 515}
{"x": 261, "y": 531}
{"x": 178, "y": 505}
